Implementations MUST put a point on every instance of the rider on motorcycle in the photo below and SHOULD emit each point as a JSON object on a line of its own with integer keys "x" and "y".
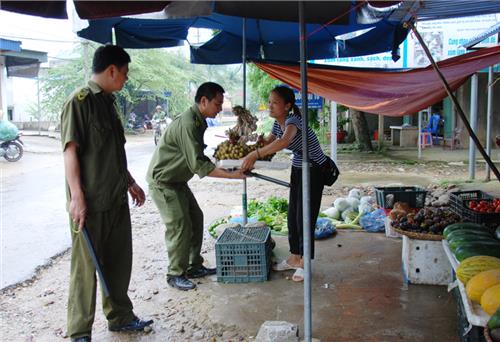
{"x": 160, "y": 121}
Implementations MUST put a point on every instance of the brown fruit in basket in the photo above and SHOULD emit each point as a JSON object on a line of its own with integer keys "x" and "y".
{"x": 402, "y": 206}
{"x": 396, "y": 214}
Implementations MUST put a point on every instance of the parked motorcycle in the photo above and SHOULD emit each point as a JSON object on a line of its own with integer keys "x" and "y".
{"x": 12, "y": 150}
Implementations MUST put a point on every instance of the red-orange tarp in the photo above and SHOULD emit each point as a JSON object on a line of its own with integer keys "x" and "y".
{"x": 392, "y": 93}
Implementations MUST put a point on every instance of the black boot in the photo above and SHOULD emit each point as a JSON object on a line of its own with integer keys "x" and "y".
{"x": 180, "y": 283}
{"x": 201, "y": 272}
{"x": 81, "y": 339}
{"x": 136, "y": 325}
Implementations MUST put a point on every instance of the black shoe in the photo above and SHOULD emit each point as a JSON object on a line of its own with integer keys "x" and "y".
{"x": 201, "y": 272}
{"x": 136, "y": 325}
{"x": 180, "y": 283}
{"x": 81, "y": 339}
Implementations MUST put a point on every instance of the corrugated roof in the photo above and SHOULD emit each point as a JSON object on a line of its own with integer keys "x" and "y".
{"x": 10, "y": 45}
{"x": 443, "y": 9}
{"x": 489, "y": 32}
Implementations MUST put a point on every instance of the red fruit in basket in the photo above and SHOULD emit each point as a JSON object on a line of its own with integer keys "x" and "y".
{"x": 472, "y": 204}
{"x": 497, "y": 210}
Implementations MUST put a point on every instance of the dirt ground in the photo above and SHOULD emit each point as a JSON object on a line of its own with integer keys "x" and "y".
{"x": 35, "y": 310}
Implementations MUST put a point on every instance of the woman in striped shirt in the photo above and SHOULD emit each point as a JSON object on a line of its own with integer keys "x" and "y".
{"x": 287, "y": 133}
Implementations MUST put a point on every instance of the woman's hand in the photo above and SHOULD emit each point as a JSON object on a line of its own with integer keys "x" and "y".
{"x": 249, "y": 161}
{"x": 138, "y": 196}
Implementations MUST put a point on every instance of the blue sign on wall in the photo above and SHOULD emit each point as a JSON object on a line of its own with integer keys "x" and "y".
{"x": 313, "y": 101}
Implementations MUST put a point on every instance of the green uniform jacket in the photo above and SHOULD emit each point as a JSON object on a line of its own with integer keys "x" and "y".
{"x": 179, "y": 155}
{"x": 90, "y": 119}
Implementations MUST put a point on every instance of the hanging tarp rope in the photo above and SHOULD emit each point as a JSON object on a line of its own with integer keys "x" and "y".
{"x": 391, "y": 93}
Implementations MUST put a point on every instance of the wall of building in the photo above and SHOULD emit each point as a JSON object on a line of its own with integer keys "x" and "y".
{"x": 464, "y": 98}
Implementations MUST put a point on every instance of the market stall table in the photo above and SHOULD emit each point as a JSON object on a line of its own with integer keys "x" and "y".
{"x": 475, "y": 314}
{"x": 404, "y": 136}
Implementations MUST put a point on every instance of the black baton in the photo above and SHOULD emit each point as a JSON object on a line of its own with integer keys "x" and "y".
{"x": 267, "y": 178}
{"x": 97, "y": 266}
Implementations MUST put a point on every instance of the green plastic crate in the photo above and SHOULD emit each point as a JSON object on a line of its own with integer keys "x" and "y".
{"x": 243, "y": 255}
{"x": 413, "y": 195}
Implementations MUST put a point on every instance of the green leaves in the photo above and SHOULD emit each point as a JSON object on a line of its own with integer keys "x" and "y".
{"x": 261, "y": 84}
{"x": 273, "y": 212}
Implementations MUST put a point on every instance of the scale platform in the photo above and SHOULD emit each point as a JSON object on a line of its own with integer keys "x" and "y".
{"x": 259, "y": 164}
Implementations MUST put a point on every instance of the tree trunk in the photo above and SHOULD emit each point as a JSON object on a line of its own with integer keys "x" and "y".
{"x": 361, "y": 132}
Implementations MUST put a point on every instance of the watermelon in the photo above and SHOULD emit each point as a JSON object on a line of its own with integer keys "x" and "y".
{"x": 462, "y": 253}
{"x": 474, "y": 243}
{"x": 494, "y": 322}
{"x": 468, "y": 233}
{"x": 462, "y": 225}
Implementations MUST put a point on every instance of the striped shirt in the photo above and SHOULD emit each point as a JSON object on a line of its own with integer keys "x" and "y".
{"x": 315, "y": 153}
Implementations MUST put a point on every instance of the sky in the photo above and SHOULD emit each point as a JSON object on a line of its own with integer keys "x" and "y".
{"x": 47, "y": 35}
{"x": 53, "y": 36}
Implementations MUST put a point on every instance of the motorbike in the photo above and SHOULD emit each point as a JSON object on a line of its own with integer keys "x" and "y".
{"x": 12, "y": 150}
{"x": 159, "y": 127}
{"x": 136, "y": 126}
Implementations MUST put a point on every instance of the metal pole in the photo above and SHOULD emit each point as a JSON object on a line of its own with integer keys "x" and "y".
{"x": 473, "y": 123}
{"x": 453, "y": 123}
{"x": 38, "y": 104}
{"x": 244, "y": 61}
{"x": 333, "y": 130}
{"x": 489, "y": 117}
{"x": 455, "y": 101}
{"x": 306, "y": 215}
{"x": 419, "y": 142}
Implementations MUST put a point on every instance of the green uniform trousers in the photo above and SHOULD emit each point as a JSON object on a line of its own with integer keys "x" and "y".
{"x": 183, "y": 221}
{"x": 111, "y": 235}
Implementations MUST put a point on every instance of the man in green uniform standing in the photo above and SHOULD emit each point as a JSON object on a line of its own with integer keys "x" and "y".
{"x": 178, "y": 157}
{"x": 97, "y": 183}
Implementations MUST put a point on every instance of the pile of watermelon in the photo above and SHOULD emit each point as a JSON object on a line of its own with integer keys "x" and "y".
{"x": 471, "y": 239}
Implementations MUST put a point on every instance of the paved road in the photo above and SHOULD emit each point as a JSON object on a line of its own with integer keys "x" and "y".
{"x": 33, "y": 220}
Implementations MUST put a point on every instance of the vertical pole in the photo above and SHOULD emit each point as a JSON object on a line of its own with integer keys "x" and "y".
{"x": 419, "y": 141}
{"x": 333, "y": 131}
{"x": 489, "y": 117}
{"x": 306, "y": 214}
{"x": 473, "y": 124}
{"x": 244, "y": 61}
{"x": 38, "y": 103}
{"x": 453, "y": 123}
{"x": 86, "y": 59}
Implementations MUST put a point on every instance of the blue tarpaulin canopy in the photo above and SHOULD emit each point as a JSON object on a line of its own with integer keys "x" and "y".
{"x": 265, "y": 39}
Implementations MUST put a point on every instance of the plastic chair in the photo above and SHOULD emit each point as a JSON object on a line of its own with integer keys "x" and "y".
{"x": 425, "y": 139}
{"x": 433, "y": 127}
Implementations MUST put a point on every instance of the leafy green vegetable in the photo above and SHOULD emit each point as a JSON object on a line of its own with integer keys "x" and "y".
{"x": 273, "y": 212}
{"x": 216, "y": 223}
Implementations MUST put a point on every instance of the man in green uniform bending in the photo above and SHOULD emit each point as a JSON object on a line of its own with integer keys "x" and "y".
{"x": 178, "y": 157}
{"x": 97, "y": 182}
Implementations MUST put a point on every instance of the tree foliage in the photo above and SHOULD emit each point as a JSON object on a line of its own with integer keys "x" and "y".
{"x": 152, "y": 72}
{"x": 261, "y": 84}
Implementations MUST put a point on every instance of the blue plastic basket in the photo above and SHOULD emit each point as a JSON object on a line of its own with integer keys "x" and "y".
{"x": 243, "y": 255}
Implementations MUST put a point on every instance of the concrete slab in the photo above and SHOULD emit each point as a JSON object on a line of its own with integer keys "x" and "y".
{"x": 358, "y": 294}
